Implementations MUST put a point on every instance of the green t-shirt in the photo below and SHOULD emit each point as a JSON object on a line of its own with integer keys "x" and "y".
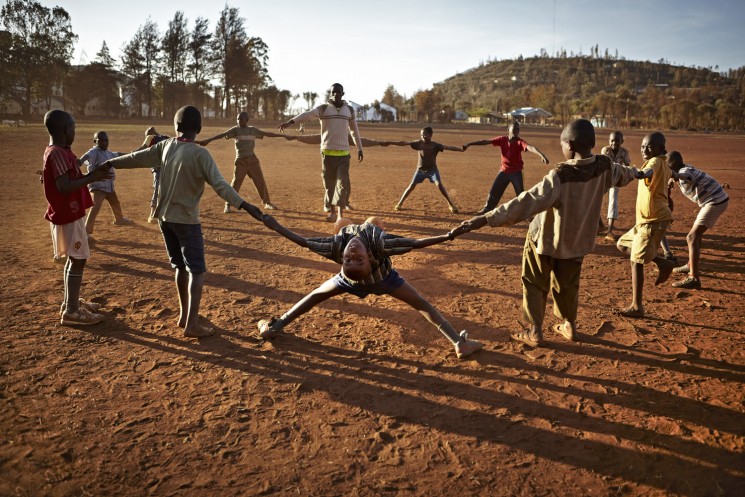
{"x": 245, "y": 140}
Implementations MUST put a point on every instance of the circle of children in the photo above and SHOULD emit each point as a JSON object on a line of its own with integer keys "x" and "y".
{"x": 564, "y": 209}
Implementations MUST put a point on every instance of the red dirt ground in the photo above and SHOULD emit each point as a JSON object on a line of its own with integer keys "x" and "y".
{"x": 364, "y": 397}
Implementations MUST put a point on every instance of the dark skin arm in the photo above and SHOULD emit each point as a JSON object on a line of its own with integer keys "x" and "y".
{"x": 480, "y": 142}
{"x": 434, "y": 240}
{"x": 254, "y": 211}
{"x": 271, "y": 223}
{"x": 65, "y": 185}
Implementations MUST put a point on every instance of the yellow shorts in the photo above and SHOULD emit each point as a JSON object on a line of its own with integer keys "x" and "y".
{"x": 643, "y": 240}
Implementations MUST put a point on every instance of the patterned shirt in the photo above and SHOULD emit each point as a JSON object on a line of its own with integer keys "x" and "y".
{"x": 700, "y": 187}
{"x": 380, "y": 244}
{"x": 336, "y": 124}
{"x": 620, "y": 157}
{"x": 63, "y": 208}
{"x": 245, "y": 140}
{"x": 566, "y": 205}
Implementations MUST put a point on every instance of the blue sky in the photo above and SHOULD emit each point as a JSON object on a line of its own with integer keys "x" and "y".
{"x": 412, "y": 44}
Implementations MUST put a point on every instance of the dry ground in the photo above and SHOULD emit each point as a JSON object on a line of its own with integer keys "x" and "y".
{"x": 363, "y": 397}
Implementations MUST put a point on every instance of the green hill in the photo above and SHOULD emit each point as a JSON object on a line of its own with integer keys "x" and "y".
{"x": 623, "y": 92}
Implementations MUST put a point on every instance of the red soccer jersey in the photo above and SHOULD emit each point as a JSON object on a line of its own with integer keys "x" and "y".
{"x": 512, "y": 153}
{"x": 63, "y": 209}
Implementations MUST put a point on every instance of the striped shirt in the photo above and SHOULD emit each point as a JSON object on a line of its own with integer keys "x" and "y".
{"x": 380, "y": 244}
{"x": 620, "y": 157}
{"x": 700, "y": 187}
{"x": 336, "y": 124}
{"x": 245, "y": 140}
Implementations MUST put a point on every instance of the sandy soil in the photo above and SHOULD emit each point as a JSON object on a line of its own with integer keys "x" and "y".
{"x": 364, "y": 397}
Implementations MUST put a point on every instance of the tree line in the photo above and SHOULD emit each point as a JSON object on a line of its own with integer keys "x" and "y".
{"x": 219, "y": 70}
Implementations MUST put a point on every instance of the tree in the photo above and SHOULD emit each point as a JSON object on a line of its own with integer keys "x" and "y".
{"x": 427, "y": 103}
{"x": 139, "y": 64}
{"x": 198, "y": 64}
{"x": 174, "y": 44}
{"x": 310, "y": 98}
{"x": 226, "y": 47}
{"x": 37, "y": 49}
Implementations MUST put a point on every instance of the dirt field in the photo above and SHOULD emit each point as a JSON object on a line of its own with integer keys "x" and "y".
{"x": 364, "y": 397}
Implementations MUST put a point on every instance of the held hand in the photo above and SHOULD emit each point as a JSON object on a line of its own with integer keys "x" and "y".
{"x": 359, "y": 156}
{"x": 638, "y": 173}
{"x": 203, "y": 143}
{"x": 474, "y": 223}
{"x": 459, "y": 230}
{"x": 544, "y": 159}
{"x": 254, "y": 211}
{"x": 102, "y": 172}
{"x": 283, "y": 125}
{"x": 465, "y": 147}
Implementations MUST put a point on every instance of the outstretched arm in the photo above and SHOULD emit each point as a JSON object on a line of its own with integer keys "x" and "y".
{"x": 82, "y": 159}
{"x": 480, "y": 142}
{"x": 395, "y": 144}
{"x": 543, "y": 157}
{"x": 275, "y": 135}
{"x": 271, "y": 223}
{"x": 253, "y": 210}
{"x": 66, "y": 185}
{"x": 434, "y": 240}
{"x": 204, "y": 143}
{"x": 453, "y": 149}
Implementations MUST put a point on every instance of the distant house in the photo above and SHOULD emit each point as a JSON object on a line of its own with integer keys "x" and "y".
{"x": 478, "y": 120}
{"x": 372, "y": 113}
{"x": 529, "y": 115}
{"x": 460, "y": 115}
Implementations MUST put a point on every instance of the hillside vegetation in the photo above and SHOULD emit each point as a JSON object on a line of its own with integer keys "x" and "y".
{"x": 623, "y": 92}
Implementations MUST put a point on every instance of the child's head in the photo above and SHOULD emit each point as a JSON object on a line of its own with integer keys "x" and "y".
{"x": 376, "y": 221}
{"x": 578, "y": 139}
{"x": 426, "y": 133}
{"x": 150, "y": 131}
{"x": 653, "y": 145}
{"x": 188, "y": 119}
{"x": 356, "y": 260}
{"x": 341, "y": 223}
{"x": 61, "y": 126}
{"x": 615, "y": 140}
{"x": 513, "y": 129}
{"x": 675, "y": 160}
{"x": 101, "y": 138}
{"x": 243, "y": 119}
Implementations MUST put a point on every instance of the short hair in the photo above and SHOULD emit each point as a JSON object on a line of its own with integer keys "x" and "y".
{"x": 188, "y": 118}
{"x": 675, "y": 156}
{"x": 243, "y": 113}
{"x": 659, "y": 139}
{"x": 339, "y": 85}
{"x": 150, "y": 131}
{"x": 97, "y": 133}
{"x": 56, "y": 120}
{"x": 428, "y": 130}
{"x": 581, "y": 132}
{"x": 617, "y": 133}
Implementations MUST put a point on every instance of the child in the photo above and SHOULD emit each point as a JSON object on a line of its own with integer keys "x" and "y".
{"x": 701, "y": 188}
{"x": 619, "y": 155}
{"x": 184, "y": 169}
{"x": 566, "y": 205}
{"x": 511, "y": 170}
{"x": 246, "y": 162}
{"x": 653, "y": 216}
{"x": 67, "y": 198}
{"x": 426, "y": 168}
{"x": 151, "y": 138}
{"x": 102, "y": 190}
{"x": 337, "y": 121}
{"x": 364, "y": 253}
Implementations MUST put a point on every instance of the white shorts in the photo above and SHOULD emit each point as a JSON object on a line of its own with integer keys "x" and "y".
{"x": 709, "y": 214}
{"x": 70, "y": 240}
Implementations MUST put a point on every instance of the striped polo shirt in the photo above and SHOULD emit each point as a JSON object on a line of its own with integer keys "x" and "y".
{"x": 700, "y": 187}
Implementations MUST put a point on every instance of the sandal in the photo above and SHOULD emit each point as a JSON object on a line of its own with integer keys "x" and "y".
{"x": 561, "y": 330}
{"x": 524, "y": 337}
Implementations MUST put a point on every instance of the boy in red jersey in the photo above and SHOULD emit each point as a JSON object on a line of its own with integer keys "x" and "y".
{"x": 511, "y": 169}
{"x": 67, "y": 199}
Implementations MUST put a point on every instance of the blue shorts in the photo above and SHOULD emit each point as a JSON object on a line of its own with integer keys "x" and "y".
{"x": 384, "y": 287}
{"x": 433, "y": 175}
{"x": 185, "y": 246}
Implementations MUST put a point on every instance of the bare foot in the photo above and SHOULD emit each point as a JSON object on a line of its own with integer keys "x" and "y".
{"x": 665, "y": 268}
{"x": 632, "y": 312}
{"x": 199, "y": 331}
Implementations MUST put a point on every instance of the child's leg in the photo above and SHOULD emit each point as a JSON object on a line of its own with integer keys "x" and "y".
{"x": 612, "y": 208}
{"x": 665, "y": 245}
{"x": 496, "y": 191}
{"x": 325, "y": 291}
{"x": 693, "y": 239}
{"x": 536, "y": 283}
{"x": 190, "y": 292}
{"x": 565, "y": 278}
{"x": 98, "y": 200}
{"x": 154, "y": 198}
{"x": 408, "y": 294}
{"x": 116, "y": 207}
{"x": 445, "y": 194}
{"x": 73, "y": 276}
{"x": 239, "y": 173}
{"x": 257, "y": 176}
{"x": 406, "y": 193}
{"x": 517, "y": 183}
